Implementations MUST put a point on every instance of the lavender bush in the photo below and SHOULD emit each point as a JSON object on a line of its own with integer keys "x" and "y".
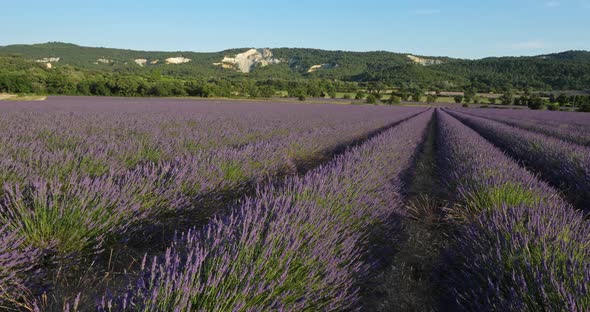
{"x": 518, "y": 246}
{"x": 296, "y": 247}
{"x": 79, "y": 171}
{"x": 480, "y": 176}
{"x": 527, "y": 258}
{"x": 573, "y": 127}
{"x": 17, "y": 262}
{"x": 563, "y": 164}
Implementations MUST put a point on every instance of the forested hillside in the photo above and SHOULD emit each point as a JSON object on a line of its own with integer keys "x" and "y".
{"x": 62, "y": 68}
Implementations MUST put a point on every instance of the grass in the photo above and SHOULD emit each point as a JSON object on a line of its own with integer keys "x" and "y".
{"x": 490, "y": 198}
{"x": 65, "y": 221}
{"x": 21, "y": 97}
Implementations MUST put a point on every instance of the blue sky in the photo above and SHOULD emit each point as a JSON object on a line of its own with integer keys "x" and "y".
{"x": 457, "y": 28}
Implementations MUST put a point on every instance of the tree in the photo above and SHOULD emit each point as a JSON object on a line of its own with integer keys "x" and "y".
{"x": 371, "y": 99}
{"x": 507, "y": 98}
{"x": 458, "y": 99}
{"x": 469, "y": 95}
{"x": 562, "y": 100}
{"x": 405, "y": 95}
{"x": 394, "y": 99}
{"x": 492, "y": 100}
{"x": 98, "y": 87}
{"x": 160, "y": 89}
{"x": 360, "y": 95}
{"x": 535, "y": 102}
{"x": 266, "y": 92}
{"x": 83, "y": 87}
{"x": 521, "y": 101}
{"x": 431, "y": 98}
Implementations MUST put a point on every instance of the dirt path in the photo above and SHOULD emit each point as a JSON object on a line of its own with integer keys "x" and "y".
{"x": 407, "y": 284}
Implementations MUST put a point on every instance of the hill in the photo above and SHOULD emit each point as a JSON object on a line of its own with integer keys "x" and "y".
{"x": 561, "y": 71}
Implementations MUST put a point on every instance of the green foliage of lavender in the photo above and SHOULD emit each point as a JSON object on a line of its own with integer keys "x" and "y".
{"x": 563, "y": 164}
{"x": 567, "y": 126}
{"x": 17, "y": 264}
{"x": 518, "y": 246}
{"x": 296, "y": 247}
{"x": 87, "y": 173}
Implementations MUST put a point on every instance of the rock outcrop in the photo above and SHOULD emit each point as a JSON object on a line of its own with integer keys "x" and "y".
{"x": 48, "y": 60}
{"x": 246, "y": 61}
{"x": 140, "y": 62}
{"x": 177, "y": 60}
{"x": 424, "y": 61}
{"x": 103, "y": 61}
{"x": 315, "y": 68}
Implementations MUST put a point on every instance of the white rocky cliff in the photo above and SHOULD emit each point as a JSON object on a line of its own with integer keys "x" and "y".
{"x": 140, "y": 62}
{"x": 177, "y": 60}
{"x": 424, "y": 61}
{"x": 245, "y": 62}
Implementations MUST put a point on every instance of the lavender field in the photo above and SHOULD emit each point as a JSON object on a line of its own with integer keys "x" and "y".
{"x": 120, "y": 204}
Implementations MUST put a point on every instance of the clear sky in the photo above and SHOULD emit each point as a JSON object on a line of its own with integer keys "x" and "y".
{"x": 457, "y": 28}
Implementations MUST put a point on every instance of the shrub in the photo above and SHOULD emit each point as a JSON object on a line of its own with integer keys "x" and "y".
{"x": 346, "y": 96}
{"x": 465, "y": 105}
{"x": 371, "y": 99}
{"x": 585, "y": 108}
{"x": 523, "y": 259}
{"x": 16, "y": 259}
{"x": 535, "y": 102}
{"x": 394, "y": 99}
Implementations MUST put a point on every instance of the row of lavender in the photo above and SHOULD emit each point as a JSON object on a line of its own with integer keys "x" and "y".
{"x": 564, "y": 165}
{"x": 68, "y": 182}
{"x": 518, "y": 246}
{"x": 69, "y": 187}
{"x": 298, "y": 247}
{"x": 572, "y": 127}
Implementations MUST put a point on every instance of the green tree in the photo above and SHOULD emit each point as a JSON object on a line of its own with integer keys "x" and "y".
{"x": 431, "y": 98}
{"x": 562, "y": 100}
{"x": 266, "y": 91}
{"x": 507, "y": 98}
{"x": 405, "y": 95}
{"x": 458, "y": 99}
{"x": 394, "y": 99}
{"x": 535, "y": 102}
